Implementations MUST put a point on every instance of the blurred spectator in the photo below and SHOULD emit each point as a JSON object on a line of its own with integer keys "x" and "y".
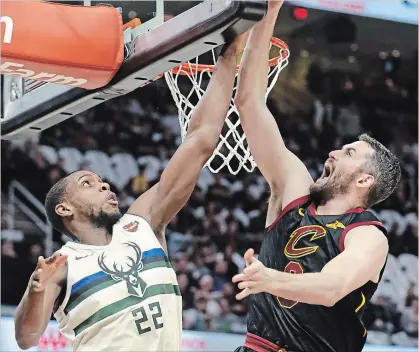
{"x": 139, "y": 184}
{"x": 35, "y": 252}
{"x": 409, "y": 320}
{"x": 382, "y": 316}
{"x": 221, "y": 275}
{"x": 11, "y": 265}
{"x": 226, "y": 320}
{"x": 8, "y": 250}
{"x": 185, "y": 290}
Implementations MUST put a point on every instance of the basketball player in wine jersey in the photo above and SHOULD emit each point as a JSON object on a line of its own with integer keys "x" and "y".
{"x": 323, "y": 253}
{"x": 112, "y": 288}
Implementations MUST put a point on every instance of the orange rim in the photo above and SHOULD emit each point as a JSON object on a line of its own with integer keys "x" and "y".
{"x": 188, "y": 69}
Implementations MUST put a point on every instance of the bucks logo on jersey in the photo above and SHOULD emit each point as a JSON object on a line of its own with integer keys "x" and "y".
{"x": 129, "y": 271}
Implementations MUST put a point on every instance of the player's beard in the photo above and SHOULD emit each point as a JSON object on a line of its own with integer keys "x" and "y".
{"x": 336, "y": 186}
{"x": 105, "y": 220}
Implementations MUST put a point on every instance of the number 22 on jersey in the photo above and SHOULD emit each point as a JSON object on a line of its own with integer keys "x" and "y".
{"x": 143, "y": 314}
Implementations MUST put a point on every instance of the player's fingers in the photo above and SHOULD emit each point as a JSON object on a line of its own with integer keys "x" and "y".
{"x": 37, "y": 275}
{"x": 41, "y": 261}
{"x": 252, "y": 269}
{"x": 248, "y": 256}
{"x": 36, "y": 281}
{"x": 246, "y": 284}
{"x": 243, "y": 294}
{"x": 239, "y": 277}
{"x": 62, "y": 259}
{"x": 52, "y": 258}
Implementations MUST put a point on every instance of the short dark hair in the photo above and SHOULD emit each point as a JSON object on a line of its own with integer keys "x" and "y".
{"x": 385, "y": 167}
{"x": 55, "y": 196}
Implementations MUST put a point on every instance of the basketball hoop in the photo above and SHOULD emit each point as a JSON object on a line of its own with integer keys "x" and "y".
{"x": 232, "y": 150}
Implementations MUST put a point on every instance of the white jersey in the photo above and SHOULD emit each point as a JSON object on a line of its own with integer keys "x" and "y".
{"x": 123, "y": 296}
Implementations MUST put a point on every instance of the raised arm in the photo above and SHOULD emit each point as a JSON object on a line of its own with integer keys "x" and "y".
{"x": 287, "y": 176}
{"x": 35, "y": 308}
{"x": 161, "y": 203}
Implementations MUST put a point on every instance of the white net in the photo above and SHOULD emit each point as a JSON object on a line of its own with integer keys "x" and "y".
{"x": 188, "y": 83}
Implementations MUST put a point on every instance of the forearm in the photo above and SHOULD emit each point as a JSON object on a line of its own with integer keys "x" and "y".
{"x": 254, "y": 68}
{"x": 29, "y": 318}
{"x": 181, "y": 174}
{"x": 211, "y": 111}
{"x": 312, "y": 288}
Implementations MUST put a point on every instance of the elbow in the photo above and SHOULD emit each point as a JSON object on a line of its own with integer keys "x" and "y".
{"x": 206, "y": 149}
{"x": 205, "y": 142}
{"x": 246, "y": 100}
{"x": 329, "y": 300}
{"x": 242, "y": 101}
{"x": 332, "y": 297}
{"x": 26, "y": 343}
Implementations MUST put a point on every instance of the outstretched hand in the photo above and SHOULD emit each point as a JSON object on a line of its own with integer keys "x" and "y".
{"x": 45, "y": 271}
{"x": 255, "y": 277}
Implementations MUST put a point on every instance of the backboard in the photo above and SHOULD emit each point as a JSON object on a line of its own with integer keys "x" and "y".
{"x": 159, "y": 44}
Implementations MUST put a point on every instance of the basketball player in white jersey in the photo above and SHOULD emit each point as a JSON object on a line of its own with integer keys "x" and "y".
{"x": 112, "y": 287}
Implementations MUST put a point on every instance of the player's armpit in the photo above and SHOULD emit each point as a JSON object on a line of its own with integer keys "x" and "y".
{"x": 142, "y": 204}
{"x": 142, "y": 207}
{"x": 365, "y": 253}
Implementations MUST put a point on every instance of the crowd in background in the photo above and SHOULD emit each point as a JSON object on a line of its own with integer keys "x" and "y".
{"x": 226, "y": 214}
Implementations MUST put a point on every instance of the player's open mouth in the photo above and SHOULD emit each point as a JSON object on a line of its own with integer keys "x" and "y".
{"x": 327, "y": 171}
{"x": 112, "y": 199}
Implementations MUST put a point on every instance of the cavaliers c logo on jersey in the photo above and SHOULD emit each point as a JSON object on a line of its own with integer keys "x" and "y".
{"x": 314, "y": 231}
{"x": 135, "y": 285}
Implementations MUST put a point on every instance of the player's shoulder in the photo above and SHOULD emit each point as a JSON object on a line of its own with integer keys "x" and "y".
{"x": 367, "y": 236}
{"x": 366, "y": 214}
{"x": 366, "y": 217}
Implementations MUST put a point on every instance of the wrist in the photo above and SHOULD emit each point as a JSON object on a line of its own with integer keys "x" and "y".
{"x": 272, "y": 11}
{"x": 273, "y": 281}
{"x": 229, "y": 52}
{"x": 228, "y": 60}
{"x": 32, "y": 291}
